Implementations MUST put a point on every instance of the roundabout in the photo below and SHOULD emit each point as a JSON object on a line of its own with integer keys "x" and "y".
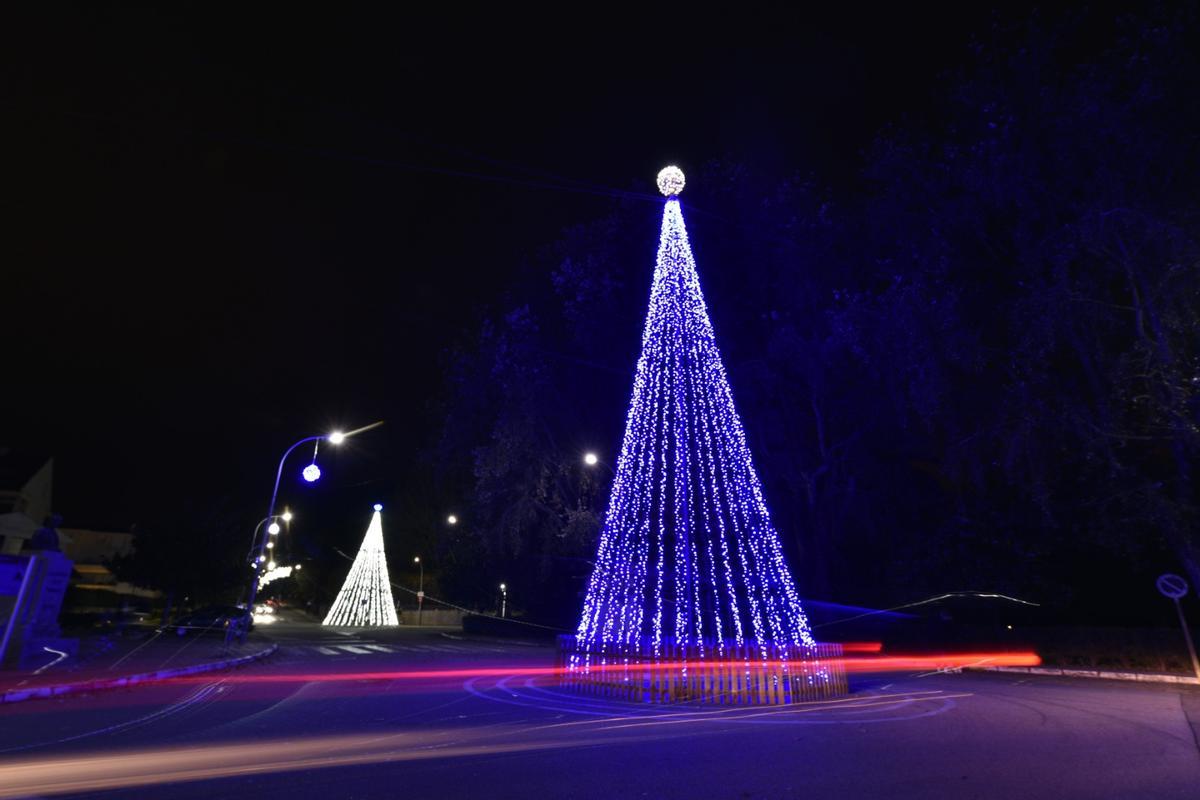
{"x": 873, "y": 704}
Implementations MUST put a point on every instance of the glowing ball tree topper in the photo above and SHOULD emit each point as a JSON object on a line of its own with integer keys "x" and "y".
{"x": 670, "y": 181}
{"x": 688, "y": 554}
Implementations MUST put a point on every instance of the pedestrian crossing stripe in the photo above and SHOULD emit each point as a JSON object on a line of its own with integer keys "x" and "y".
{"x": 370, "y": 648}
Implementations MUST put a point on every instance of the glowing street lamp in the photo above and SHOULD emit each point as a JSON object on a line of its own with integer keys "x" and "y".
{"x": 286, "y": 516}
{"x": 503, "y": 601}
{"x": 451, "y": 520}
{"x": 254, "y": 544}
{"x": 591, "y": 460}
{"x": 420, "y": 588}
{"x": 310, "y": 473}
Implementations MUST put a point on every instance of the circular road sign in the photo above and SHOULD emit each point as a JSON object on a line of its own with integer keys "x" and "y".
{"x": 1172, "y": 585}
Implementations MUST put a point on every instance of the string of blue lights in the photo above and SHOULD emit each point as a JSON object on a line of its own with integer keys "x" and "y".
{"x": 688, "y": 555}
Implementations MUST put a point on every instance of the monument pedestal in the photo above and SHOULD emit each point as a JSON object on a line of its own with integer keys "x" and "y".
{"x": 31, "y": 636}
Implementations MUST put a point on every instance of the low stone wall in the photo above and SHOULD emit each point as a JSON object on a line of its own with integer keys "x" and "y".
{"x": 507, "y": 628}
{"x": 447, "y": 617}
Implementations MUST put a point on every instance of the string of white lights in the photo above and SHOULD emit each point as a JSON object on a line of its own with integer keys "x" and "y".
{"x": 365, "y": 598}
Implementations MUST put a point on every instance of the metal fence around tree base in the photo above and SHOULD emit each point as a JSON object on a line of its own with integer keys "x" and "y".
{"x": 748, "y": 674}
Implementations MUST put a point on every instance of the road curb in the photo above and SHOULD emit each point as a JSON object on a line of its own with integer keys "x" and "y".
{"x": 1141, "y": 677}
{"x": 19, "y": 695}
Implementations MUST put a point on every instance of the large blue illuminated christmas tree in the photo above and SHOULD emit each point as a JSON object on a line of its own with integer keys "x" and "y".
{"x": 689, "y": 564}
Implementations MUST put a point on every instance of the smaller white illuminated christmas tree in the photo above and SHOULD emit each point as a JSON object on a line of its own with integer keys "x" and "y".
{"x": 366, "y": 596}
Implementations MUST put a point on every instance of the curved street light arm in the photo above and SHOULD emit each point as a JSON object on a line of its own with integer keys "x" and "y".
{"x": 262, "y": 545}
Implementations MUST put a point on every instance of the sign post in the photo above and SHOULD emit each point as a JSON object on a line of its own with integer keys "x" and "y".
{"x": 1175, "y": 587}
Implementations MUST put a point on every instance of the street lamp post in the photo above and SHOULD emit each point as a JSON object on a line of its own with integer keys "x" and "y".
{"x": 503, "y": 601}
{"x": 420, "y": 588}
{"x": 311, "y": 473}
{"x": 272, "y": 530}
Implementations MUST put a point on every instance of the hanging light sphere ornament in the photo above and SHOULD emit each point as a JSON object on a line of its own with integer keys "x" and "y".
{"x": 312, "y": 473}
{"x": 670, "y": 181}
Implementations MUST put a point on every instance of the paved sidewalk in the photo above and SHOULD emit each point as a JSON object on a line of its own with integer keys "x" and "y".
{"x": 105, "y": 658}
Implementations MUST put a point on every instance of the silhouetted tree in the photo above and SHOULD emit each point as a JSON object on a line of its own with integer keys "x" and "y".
{"x": 978, "y": 368}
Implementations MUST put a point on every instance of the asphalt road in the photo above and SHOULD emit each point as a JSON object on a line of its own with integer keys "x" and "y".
{"x": 412, "y": 713}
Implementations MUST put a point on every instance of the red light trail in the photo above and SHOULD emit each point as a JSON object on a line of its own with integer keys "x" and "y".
{"x": 864, "y": 664}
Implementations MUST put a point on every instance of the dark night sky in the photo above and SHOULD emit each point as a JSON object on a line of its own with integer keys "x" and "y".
{"x": 227, "y": 232}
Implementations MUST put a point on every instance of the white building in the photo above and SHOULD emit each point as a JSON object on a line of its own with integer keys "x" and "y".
{"x": 25, "y": 486}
